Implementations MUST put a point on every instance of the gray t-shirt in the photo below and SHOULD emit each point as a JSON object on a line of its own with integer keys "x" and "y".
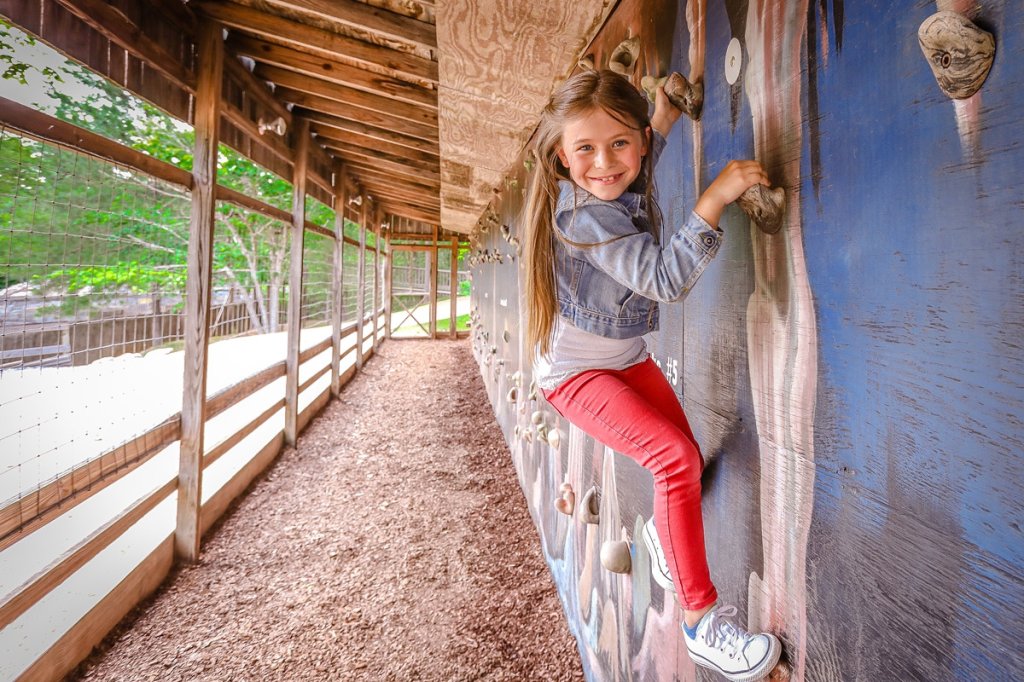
{"x": 574, "y": 350}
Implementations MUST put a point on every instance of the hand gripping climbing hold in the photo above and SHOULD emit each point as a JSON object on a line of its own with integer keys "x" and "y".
{"x": 590, "y": 506}
{"x": 959, "y": 53}
{"x": 685, "y": 96}
{"x": 764, "y": 206}
{"x": 615, "y": 556}
{"x": 566, "y": 501}
{"x": 623, "y": 59}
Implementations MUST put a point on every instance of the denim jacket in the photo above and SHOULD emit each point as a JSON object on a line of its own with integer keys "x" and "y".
{"x": 613, "y": 289}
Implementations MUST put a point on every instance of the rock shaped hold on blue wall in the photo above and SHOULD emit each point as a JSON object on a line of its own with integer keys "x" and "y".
{"x": 959, "y": 53}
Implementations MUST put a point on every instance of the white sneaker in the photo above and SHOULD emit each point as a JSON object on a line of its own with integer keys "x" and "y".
{"x": 659, "y": 566}
{"x": 725, "y": 647}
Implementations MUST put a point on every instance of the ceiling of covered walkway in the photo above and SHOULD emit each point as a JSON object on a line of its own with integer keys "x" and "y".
{"x": 428, "y": 102}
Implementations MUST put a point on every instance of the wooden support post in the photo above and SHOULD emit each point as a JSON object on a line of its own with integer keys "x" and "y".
{"x": 433, "y": 287}
{"x": 378, "y": 216}
{"x": 294, "y": 324}
{"x": 337, "y": 279}
{"x": 388, "y": 283}
{"x": 455, "y": 287}
{"x": 361, "y": 288}
{"x": 210, "y": 52}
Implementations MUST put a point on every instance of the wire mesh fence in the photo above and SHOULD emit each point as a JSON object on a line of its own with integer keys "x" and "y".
{"x": 350, "y": 268}
{"x": 92, "y": 277}
{"x": 317, "y": 269}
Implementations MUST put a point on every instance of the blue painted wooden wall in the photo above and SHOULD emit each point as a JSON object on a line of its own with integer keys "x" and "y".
{"x": 858, "y": 379}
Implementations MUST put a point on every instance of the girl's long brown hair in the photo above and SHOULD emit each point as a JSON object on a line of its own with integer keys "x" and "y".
{"x": 581, "y": 94}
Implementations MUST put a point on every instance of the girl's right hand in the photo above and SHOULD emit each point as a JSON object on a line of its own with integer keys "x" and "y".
{"x": 734, "y": 180}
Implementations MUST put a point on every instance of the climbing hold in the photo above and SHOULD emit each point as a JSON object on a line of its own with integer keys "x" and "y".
{"x": 615, "y": 556}
{"x": 506, "y": 231}
{"x": 530, "y": 161}
{"x": 623, "y": 59}
{"x": 586, "y": 62}
{"x": 542, "y": 431}
{"x": 590, "y": 506}
{"x": 528, "y": 434}
{"x": 513, "y": 395}
{"x": 959, "y": 53}
{"x": 533, "y": 390}
{"x": 554, "y": 437}
{"x": 650, "y": 85}
{"x": 566, "y": 501}
{"x": 686, "y": 96}
{"x": 516, "y": 379}
{"x": 537, "y": 417}
{"x": 764, "y": 206}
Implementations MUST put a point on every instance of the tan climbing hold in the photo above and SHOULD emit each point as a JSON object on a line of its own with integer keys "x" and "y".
{"x": 537, "y": 418}
{"x": 586, "y": 62}
{"x": 566, "y": 501}
{"x": 959, "y": 53}
{"x": 554, "y": 437}
{"x": 513, "y": 395}
{"x": 686, "y": 96}
{"x": 590, "y": 506}
{"x": 650, "y": 85}
{"x": 615, "y": 556}
{"x": 764, "y": 206}
{"x": 623, "y": 59}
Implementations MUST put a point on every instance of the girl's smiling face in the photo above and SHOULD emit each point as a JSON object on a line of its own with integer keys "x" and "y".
{"x": 603, "y": 154}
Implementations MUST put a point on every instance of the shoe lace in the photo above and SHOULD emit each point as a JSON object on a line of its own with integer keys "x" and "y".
{"x": 723, "y": 634}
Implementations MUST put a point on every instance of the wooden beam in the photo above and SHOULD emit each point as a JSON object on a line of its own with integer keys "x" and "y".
{"x": 368, "y": 173}
{"x": 361, "y": 286}
{"x": 294, "y": 320}
{"x": 337, "y": 274}
{"x": 388, "y": 284}
{"x": 106, "y": 20}
{"x": 317, "y": 41}
{"x": 210, "y": 52}
{"x": 333, "y": 71}
{"x": 376, "y": 20}
{"x": 377, "y": 217}
{"x": 385, "y": 161}
{"x": 385, "y": 193}
{"x": 410, "y": 212}
{"x": 49, "y": 129}
{"x": 371, "y": 132}
{"x": 332, "y": 137}
{"x": 351, "y": 104}
{"x": 433, "y": 286}
{"x": 454, "y": 288}
{"x": 256, "y": 88}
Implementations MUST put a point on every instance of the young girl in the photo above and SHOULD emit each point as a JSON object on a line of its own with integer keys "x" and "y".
{"x": 595, "y": 274}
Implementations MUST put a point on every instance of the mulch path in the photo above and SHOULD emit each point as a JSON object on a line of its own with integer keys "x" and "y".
{"x": 393, "y": 544}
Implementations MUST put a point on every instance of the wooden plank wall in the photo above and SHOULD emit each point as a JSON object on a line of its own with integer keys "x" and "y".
{"x": 854, "y": 379}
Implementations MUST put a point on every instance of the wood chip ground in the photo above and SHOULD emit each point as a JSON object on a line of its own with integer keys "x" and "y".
{"x": 393, "y": 543}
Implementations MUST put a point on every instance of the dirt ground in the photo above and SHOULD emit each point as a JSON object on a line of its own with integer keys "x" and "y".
{"x": 393, "y": 544}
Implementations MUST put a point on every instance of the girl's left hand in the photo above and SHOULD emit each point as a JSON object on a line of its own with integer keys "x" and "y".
{"x": 665, "y": 113}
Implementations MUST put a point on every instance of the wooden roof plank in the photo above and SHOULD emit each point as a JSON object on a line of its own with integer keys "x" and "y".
{"x": 370, "y": 131}
{"x": 316, "y": 40}
{"x": 328, "y": 135}
{"x": 374, "y": 19}
{"x": 376, "y": 155}
{"x": 117, "y": 28}
{"x": 419, "y": 184}
{"x": 333, "y": 71}
{"x": 386, "y": 165}
{"x": 351, "y": 101}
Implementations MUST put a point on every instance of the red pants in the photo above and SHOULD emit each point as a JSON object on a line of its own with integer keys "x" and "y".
{"x": 636, "y": 412}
